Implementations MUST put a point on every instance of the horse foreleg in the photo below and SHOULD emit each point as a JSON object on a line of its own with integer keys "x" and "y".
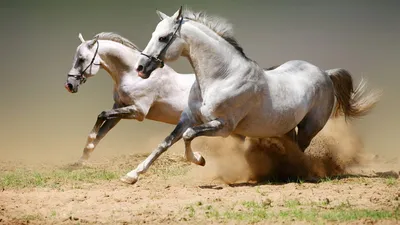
{"x": 128, "y": 112}
{"x": 106, "y": 120}
{"x": 98, "y": 132}
{"x": 212, "y": 128}
{"x": 133, "y": 176}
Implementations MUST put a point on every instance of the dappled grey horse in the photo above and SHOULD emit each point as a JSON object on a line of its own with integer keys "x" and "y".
{"x": 233, "y": 95}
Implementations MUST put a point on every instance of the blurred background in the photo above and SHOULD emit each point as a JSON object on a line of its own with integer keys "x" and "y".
{"x": 40, "y": 120}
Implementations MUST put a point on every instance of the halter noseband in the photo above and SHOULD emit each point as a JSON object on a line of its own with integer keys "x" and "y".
{"x": 81, "y": 77}
{"x": 157, "y": 59}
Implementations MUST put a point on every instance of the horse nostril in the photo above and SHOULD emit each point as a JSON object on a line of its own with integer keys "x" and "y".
{"x": 140, "y": 68}
{"x": 70, "y": 86}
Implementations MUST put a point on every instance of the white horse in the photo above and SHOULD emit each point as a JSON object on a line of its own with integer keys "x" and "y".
{"x": 161, "y": 98}
{"x": 233, "y": 95}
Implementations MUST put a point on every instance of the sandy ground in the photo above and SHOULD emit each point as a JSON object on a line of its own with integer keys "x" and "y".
{"x": 260, "y": 182}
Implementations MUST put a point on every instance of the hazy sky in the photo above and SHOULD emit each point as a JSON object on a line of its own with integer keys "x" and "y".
{"x": 39, "y": 38}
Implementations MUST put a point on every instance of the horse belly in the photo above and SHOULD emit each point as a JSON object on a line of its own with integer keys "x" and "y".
{"x": 163, "y": 112}
{"x": 261, "y": 128}
{"x": 268, "y": 123}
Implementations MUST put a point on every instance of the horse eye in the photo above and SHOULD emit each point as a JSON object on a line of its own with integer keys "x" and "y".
{"x": 81, "y": 60}
{"x": 163, "y": 39}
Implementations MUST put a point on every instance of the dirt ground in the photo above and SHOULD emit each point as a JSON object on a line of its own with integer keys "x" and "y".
{"x": 259, "y": 182}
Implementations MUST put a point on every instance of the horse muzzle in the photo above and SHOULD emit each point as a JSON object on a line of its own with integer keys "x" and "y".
{"x": 70, "y": 88}
{"x": 143, "y": 75}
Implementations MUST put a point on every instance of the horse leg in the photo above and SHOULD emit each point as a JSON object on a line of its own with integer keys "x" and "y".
{"x": 95, "y": 137}
{"x": 312, "y": 123}
{"x": 106, "y": 120}
{"x": 99, "y": 130}
{"x": 133, "y": 176}
{"x": 128, "y": 112}
{"x": 292, "y": 135}
{"x": 212, "y": 128}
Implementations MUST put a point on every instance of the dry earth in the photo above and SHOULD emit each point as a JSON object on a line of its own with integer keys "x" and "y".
{"x": 260, "y": 182}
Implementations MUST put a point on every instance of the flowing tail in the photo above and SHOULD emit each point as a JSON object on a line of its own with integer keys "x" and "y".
{"x": 351, "y": 103}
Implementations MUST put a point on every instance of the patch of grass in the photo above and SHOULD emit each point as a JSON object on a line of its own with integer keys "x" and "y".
{"x": 211, "y": 212}
{"x": 300, "y": 181}
{"x": 254, "y": 216}
{"x": 292, "y": 203}
{"x": 344, "y": 205}
{"x": 21, "y": 179}
{"x": 192, "y": 211}
{"x": 325, "y": 179}
{"x": 54, "y": 178}
{"x": 253, "y": 212}
{"x": 75, "y": 177}
{"x": 334, "y": 180}
{"x": 310, "y": 215}
{"x": 391, "y": 181}
{"x": 30, "y": 217}
{"x": 342, "y": 215}
{"x": 324, "y": 202}
{"x": 53, "y": 214}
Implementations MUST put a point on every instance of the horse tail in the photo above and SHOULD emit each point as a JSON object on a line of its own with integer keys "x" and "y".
{"x": 351, "y": 103}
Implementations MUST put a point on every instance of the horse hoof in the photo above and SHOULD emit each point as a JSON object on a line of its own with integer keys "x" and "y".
{"x": 84, "y": 163}
{"x": 199, "y": 159}
{"x": 202, "y": 162}
{"x": 128, "y": 180}
{"x": 80, "y": 163}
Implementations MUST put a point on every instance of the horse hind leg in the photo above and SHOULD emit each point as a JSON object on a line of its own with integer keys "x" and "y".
{"x": 212, "y": 128}
{"x": 292, "y": 135}
{"x": 309, "y": 127}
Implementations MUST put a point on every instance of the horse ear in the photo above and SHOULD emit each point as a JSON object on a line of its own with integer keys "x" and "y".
{"x": 92, "y": 42}
{"x": 178, "y": 14}
{"x": 161, "y": 15}
{"x": 81, "y": 37}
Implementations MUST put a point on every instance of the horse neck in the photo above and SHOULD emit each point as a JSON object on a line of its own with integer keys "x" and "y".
{"x": 118, "y": 60}
{"x": 209, "y": 65}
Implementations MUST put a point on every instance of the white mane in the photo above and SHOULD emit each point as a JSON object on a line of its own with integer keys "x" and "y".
{"x": 217, "y": 24}
{"x": 116, "y": 38}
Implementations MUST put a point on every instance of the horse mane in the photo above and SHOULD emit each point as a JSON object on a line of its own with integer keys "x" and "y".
{"x": 217, "y": 24}
{"x": 116, "y": 38}
{"x": 272, "y": 67}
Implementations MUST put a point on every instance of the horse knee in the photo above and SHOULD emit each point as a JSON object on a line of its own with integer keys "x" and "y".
{"x": 189, "y": 134}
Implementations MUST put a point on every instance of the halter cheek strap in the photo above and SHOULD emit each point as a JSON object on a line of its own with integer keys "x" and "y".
{"x": 81, "y": 77}
{"x": 162, "y": 52}
{"x": 154, "y": 59}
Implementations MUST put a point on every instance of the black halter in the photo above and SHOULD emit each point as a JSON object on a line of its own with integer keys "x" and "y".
{"x": 81, "y": 77}
{"x": 162, "y": 52}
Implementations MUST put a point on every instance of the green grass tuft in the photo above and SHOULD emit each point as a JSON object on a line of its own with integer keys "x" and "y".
{"x": 391, "y": 181}
{"x": 54, "y": 178}
{"x": 342, "y": 215}
{"x": 254, "y": 212}
{"x": 292, "y": 203}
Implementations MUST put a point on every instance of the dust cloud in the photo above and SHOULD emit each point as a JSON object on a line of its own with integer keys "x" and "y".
{"x": 336, "y": 151}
